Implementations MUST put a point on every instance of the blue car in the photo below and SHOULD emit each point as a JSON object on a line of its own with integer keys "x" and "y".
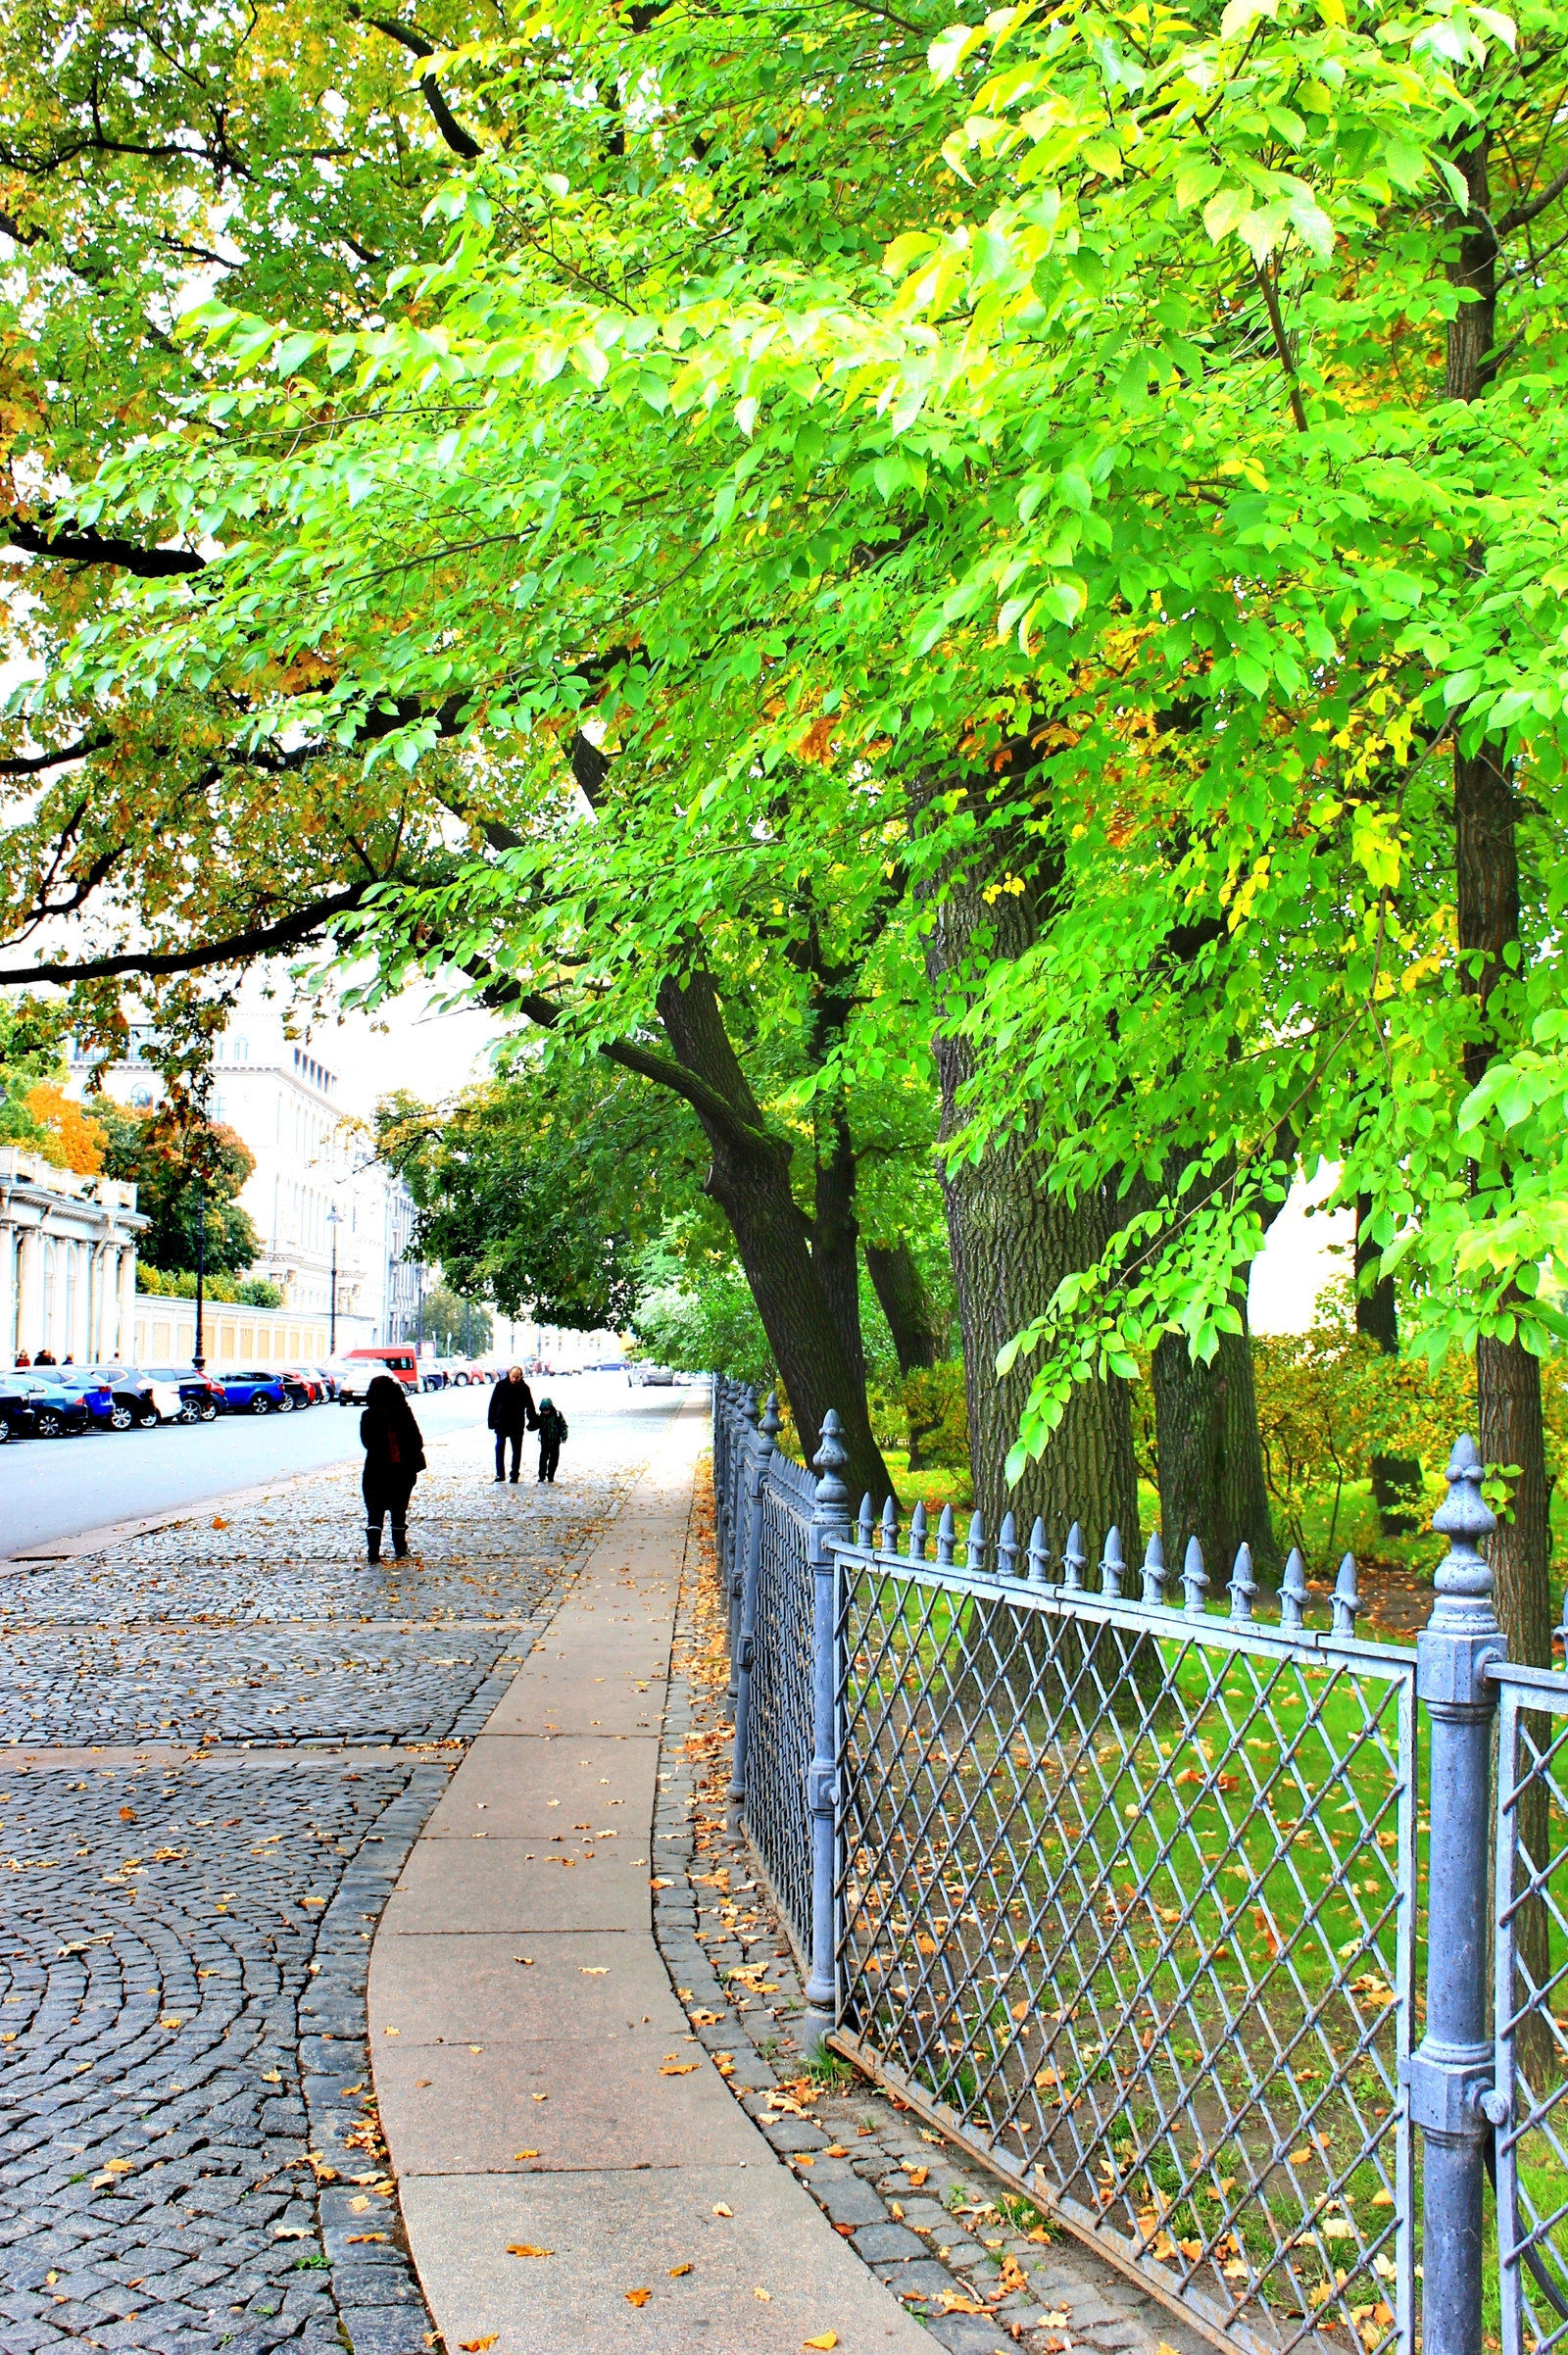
{"x": 260, "y": 1392}
{"x": 93, "y": 1392}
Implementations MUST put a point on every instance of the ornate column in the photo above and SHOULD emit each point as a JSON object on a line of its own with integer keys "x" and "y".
{"x": 29, "y": 1290}
{"x": 125, "y": 1346}
{"x": 8, "y": 1284}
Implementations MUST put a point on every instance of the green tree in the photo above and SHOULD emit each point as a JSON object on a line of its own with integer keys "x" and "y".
{"x": 456, "y": 1322}
{"x": 174, "y": 1165}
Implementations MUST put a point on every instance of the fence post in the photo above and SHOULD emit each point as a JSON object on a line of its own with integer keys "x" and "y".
{"x": 1452, "y": 2072}
{"x": 829, "y": 1521}
{"x": 758, "y": 1458}
{"x": 739, "y": 1530}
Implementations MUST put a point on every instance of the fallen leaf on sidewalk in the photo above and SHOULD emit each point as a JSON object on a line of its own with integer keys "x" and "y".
{"x": 525, "y": 2248}
{"x": 1014, "y": 2277}
{"x": 476, "y": 2049}
{"x": 679, "y": 2068}
{"x": 1057, "y": 2318}
{"x": 676, "y": 2270}
{"x": 271, "y": 2077}
{"x": 720, "y": 2209}
{"x": 525, "y": 2154}
{"x": 524, "y": 1958}
{"x": 358, "y": 2205}
{"x": 541, "y": 2098}
{"x": 593, "y": 1970}
{"x": 638, "y": 2297}
{"x": 354, "y": 2236}
{"x": 477, "y": 2347}
{"x": 824, "y": 2338}
{"x": 219, "y": 1522}
{"x": 953, "y": 2301}
{"x": 917, "y": 2176}
{"x": 766, "y": 2296}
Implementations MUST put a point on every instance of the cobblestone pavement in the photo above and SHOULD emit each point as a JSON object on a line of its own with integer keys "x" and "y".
{"x": 189, "y": 2156}
{"x": 985, "y": 2271}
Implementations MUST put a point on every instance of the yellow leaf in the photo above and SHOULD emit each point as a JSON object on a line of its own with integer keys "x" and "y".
{"x": 477, "y": 2347}
{"x": 679, "y": 2069}
{"x": 676, "y": 2270}
{"x": 525, "y": 2154}
{"x": 824, "y": 2338}
{"x": 525, "y": 2248}
{"x": 720, "y": 2209}
{"x": 358, "y": 2205}
{"x": 369, "y": 2236}
{"x": 638, "y": 2297}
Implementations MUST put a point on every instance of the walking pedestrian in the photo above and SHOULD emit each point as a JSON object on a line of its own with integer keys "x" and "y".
{"x": 551, "y": 1430}
{"x": 394, "y": 1459}
{"x": 511, "y": 1414}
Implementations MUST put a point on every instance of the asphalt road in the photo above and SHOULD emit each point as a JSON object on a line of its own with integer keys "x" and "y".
{"x": 51, "y": 1490}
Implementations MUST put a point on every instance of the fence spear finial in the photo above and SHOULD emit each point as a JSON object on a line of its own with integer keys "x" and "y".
{"x": 890, "y": 1527}
{"x": 917, "y": 1532}
{"x": 976, "y": 1552}
{"x": 1293, "y": 1593}
{"x": 1462, "y": 1579}
{"x": 1347, "y": 1601}
{"x": 1243, "y": 1586}
{"x": 770, "y": 1421}
{"x": 1073, "y": 1559}
{"x": 865, "y": 1526}
{"x": 1111, "y": 1564}
{"x": 1008, "y": 1548}
{"x": 832, "y": 1497}
{"x": 1039, "y": 1554}
{"x": 749, "y": 1406}
{"x": 947, "y": 1538}
{"x": 1195, "y": 1579}
{"x": 1154, "y": 1569}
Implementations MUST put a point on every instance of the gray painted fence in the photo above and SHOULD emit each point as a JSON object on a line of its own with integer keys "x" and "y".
{"x": 1124, "y": 1889}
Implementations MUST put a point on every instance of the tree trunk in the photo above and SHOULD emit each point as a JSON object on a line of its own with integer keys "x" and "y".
{"x": 905, "y": 1303}
{"x": 749, "y": 1179}
{"x": 1210, "y": 1458}
{"x": 836, "y": 1239}
{"x": 1011, "y": 1245}
{"x": 1395, "y": 1479}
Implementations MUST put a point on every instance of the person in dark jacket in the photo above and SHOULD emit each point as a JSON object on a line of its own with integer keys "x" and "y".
{"x": 394, "y": 1459}
{"x": 551, "y": 1430}
{"x": 511, "y": 1414}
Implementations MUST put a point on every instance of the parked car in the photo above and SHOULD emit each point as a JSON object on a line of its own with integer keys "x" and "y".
{"x": 258, "y": 1392}
{"x": 139, "y": 1400}
{"x": 200, "y": 1394}
{"x": 33, "y": 1407}
{"x": 303, "y": 1387}
{"x": 400, "y": 1360}
{"x": 326, "y": 1377}
{"x": 649, "y": 1376}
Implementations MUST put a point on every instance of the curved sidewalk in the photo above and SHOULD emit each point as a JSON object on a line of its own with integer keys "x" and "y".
{"x": 540, "y": 2088}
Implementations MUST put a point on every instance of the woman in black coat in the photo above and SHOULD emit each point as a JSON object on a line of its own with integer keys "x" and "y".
{"x": 394, "y": 1459}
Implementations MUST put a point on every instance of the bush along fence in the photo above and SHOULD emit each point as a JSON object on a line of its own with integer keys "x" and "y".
{"x": 1236, "y": 1943}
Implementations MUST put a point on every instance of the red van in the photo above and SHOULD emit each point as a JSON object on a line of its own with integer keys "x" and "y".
{"x": 399, "y": 1358}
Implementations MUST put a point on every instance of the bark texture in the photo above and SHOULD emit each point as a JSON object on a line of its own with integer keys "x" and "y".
{"x": 749, "y": 1179}
{"x": 905, "y": 1303}
{"x": 836, "y": 1238}
{"x": 1011, "y": 1245}
{"x": 1395, "y": 1479}
{"x": 1210, "y": 1458}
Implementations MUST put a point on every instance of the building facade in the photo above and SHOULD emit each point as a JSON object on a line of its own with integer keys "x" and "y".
{"x": 67, "y": 1262}
{"x": 331, "y": 1221}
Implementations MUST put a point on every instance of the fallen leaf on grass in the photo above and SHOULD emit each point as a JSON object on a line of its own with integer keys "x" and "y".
{"x": 676, "y": 2270}
{"x": 638, "y": 2297}
{"x": 525, "y": 2248}
{"x": 477, "y": 2347}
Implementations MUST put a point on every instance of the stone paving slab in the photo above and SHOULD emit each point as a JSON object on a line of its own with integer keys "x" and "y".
{"x": 638, "y": 2139}
{"x": 604, "y": 1783}
{"x": 611, "y": 2231}
{"x": 579, "y": 1984}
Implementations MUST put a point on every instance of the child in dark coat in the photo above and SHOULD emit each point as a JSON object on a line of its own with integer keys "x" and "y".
{"x": 551, "y": 1430}
{"x": 394, "y": 1459}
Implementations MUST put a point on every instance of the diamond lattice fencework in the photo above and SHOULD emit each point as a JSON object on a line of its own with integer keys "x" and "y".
{"x": 1531, "y": 2009}
{"x": 780, "y": 1731}
{"x": 1126, "y": 1890}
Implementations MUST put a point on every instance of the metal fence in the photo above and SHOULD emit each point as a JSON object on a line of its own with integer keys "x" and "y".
{"x": 1120, "y": 1881}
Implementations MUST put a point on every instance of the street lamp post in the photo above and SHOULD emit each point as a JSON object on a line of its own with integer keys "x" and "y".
{"x": 199, "y": 1359}
{"x": 334, "y": 1219}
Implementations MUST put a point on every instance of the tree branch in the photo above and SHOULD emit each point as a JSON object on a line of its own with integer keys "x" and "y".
{"x": 446, "y": 122}
{"x": 1518, "y": 215}
{"x": 33, "y": 763}
{"x": 89, "y": 548}
{"x": 261, "y": 940}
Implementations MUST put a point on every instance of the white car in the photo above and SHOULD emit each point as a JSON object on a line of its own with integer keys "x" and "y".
{"x": 165, "y": 1396}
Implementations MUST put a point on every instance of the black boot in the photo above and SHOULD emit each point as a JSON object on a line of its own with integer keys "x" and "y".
{"x": 373, "y": 1539}
{"x": 400, "y": 1540}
